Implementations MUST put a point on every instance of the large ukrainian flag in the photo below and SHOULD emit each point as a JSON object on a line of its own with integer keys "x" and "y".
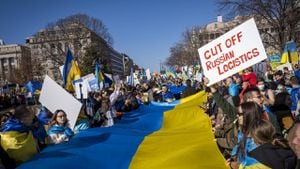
{"x": 155, "y": 137}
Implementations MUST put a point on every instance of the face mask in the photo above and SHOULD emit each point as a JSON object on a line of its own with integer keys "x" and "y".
{"x": 261, "y": 87}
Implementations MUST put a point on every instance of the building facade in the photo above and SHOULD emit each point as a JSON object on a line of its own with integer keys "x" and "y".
{"x": 211, "y": 31}
{"x": 116, "y": 60}
{"x": 49, "y": 48}
{"x": 127, "y": 65}
{"x": 15, "y": 64}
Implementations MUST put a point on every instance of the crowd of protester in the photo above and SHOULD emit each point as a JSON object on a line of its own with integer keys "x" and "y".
{"x": 252, "y": 117}
{"x": 102, "y": 108}
{"x": 255, "y": 119}
{"x": 14, "y": 97}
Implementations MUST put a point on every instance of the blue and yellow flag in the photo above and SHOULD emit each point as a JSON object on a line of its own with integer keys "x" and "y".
{"x": 71, "y": 71}
{"x": 157, "y": 136}
{"x": 171, "y": 72}
{"x": 99, "y": 75}
{"x": 290, "y": 53}
{"x": 20, "y": 146}
{"x": 131, "y": 78}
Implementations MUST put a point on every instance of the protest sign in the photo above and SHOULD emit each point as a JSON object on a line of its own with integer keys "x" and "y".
{"x": 232, "y": 52}
{"x": 94, "y": 85}
{"x": 288, "y": 65}
{"x": 274, "y": 61}
{"x": 148, "y": 74}
{"x": 54, "y": 97}
{"x": 260, "y": 69}
{"x": 116, "y": 79}
{"x": 81, "y": 88}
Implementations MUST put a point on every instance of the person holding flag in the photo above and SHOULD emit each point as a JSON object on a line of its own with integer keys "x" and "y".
{"x": 71, "y": 72}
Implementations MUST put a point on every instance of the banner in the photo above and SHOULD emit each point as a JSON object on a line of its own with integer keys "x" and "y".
{"x": 274, "y": 61}
{"x": 148, "y": 74}
{"x": 232, "y": 52}
{"x": 288, "y": 65}
{"x": 54, "y": 97}
{"x": 84, "y": 84}
{"x": 81, "y": 89}
{"x": 260, "y": 69}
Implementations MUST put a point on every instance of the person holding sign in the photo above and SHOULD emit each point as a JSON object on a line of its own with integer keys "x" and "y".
{"x": 249, "y": 76}
{"x": 59, "y": 130}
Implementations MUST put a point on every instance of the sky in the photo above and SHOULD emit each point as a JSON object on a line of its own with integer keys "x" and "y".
{"x": 143, "y": 29}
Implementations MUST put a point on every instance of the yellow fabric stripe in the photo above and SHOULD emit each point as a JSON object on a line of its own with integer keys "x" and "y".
{"x": 294, "y": 58}
{"x": 284, "y": 58}
{"x": 197, "y": 99}
{"x": 185, "y": 141}
{"x": 19, "y": 146}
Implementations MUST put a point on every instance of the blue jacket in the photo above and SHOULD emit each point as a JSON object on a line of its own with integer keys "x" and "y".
{"x": 167, "y": 96}
{"x": 295, "y": 94}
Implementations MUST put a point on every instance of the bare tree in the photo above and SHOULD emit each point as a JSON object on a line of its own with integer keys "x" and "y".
{"x": 94, "y": 54}
{"x": 84, "y": 20}
{"x": 282, "y": 16}
{"x": 77, "y": 32}
{"x": 186, "y": 51}
{"x": 22, "y": 73}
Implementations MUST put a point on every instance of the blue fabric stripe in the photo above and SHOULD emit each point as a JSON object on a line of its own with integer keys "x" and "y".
{"x": 108, "y": 148}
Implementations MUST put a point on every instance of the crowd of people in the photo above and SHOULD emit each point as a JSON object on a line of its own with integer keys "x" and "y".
{"x": 39, "y": 127}
{"x": 252, "y": 117}
{"x": 255, "y": 119}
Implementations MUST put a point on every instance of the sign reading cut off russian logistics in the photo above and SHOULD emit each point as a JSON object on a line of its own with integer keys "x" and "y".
{"x": 232, "y": 52}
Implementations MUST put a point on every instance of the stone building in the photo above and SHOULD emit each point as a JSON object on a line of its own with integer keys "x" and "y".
{"x": 117, "y": 65}
{"x": 49, "y": 46}
{"x": 15, "y": 64}
{"x": 128, "y": 64}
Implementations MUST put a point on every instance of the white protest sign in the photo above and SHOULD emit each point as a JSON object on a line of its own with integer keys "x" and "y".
{"x": 93, "y": 85}
{"x": 232, "y": 52}
{"x": 87, "y": 79}
{"x": 54, "y": 97}
{"x": 116, "y": 79}
{"x": 84, "y": 84}
{"x": 288, "y": 65}
{"x": 148, "y": 74}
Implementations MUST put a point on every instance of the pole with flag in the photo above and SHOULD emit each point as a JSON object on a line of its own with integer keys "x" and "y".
{"x": 98, "y": 74}
{"x": 131, "y": 78}
{"x": 71, "y": 71}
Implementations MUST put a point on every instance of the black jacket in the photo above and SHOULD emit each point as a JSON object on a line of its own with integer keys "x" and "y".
{"x": 275, "y": 157}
